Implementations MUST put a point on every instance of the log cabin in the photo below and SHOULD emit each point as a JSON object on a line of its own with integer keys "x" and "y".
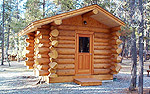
{"x": 82, "y": 43}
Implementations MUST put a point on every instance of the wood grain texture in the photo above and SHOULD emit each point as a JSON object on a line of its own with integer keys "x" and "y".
{"x": 66, "y": 72}
{"x": 65, "y": 61}
{"x": 62, "y": 51}
{"x": 66, "y": 56}
{"x": 65, "y": 66}
{"x": 102, "y": 57}
{"x": 102, "y": 52}
{"x": 102, "y": 61}
{"x": 102, "y": 71}
{"x": 102, "y": 66}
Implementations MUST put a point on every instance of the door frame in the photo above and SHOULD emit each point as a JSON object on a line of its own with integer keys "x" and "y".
{"x": 77, "y": 33}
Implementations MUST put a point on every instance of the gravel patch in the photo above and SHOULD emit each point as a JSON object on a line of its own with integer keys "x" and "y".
{"x": 18, "y": 80}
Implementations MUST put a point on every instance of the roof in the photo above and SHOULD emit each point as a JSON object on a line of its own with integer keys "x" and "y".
{"x": 102, "y": 17}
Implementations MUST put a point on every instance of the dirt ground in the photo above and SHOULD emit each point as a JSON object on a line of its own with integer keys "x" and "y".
{"x": 17, "y": 79}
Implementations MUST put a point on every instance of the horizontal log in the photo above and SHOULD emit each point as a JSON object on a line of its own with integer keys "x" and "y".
{"x": 65, "y": 66}
{"x": 65, "y": 61}
{"x": 42, "y": 45}
{"x": 42, "y": 31}
{"x": 30, "y": 40}
{"x": 52, "y": 75}
{"x": 42, "y": 37}
{"x": 29, "y": 63}
{"x": 42, "y": 41}
{"x": 31, "y": 44}
{"x": 101, "y": 44}
{"x": 52, "y": 70}
{"x": 66, "y": 33}
{"x": 102, "y": 66}
{"x": 114, "y": 55}
{"x": 66, "y": 46}
{"x": 101, "y": 57}
{"x": 114, "y": 46}
{"x": 94, "y": 29}
{"x": 101, "y": 40}
{"x": 114, "y": 37}
{"x": 30, "y": 67}
{"x": 117, "y": 60}
{"x": 102, "y": 71}
{"x": 102, "y": 52}
{"x": 66, "y": 38}
{"x": 43, "y": 67}
{"x": 116, "y": 33}
{"x": 58, "y": 21}
{"x": 113, "y": 63}
{"x": 47, "y": 26}
{"x": 116, "y": 42}
{"x": 42, "y": 73}
{"x": 66, "y": 72}
{"x": 30, "y": 51}
{"x": 102, "y": 47}
{"x": 114, "y": 72}
{"x": 37, "y": 52}
{"x": 102, "y": 61}
{"x": 90, "y": 13}
{"x": 30, "y": 58}
{"x": 66, "y": 42}
{"x": 117, "y": 28}
{"x": 31, "y": 55}
{"x": 42, "y": 61}
{"x": 116, "y": 68}
{"x": 53, "y": 38}
{"x": 102, "y": 35}
{"x": 62, "y": 51}
{"x": 41, "y": 50}
{"x": 31, "y": 34}
{"x": 54, "y": 33}
{"x": 53, "y": 65}
{"x": 54, "y": 43}
{"x": 42, "y": 56}
{"x": 116, "y": 51}
{"x": 35, "y": 66}
{"x": 66, "y": 56}
{"x": 31, "y": 37}
{"x": 53, "y": 54}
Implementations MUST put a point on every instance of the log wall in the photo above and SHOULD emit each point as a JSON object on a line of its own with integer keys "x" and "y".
{"x": 102, "y": 53}
{"x": 30, "y": 60}
{"x": 41, "y": 51}
{"x": 66, "y": 52}
{"x": 115, "y": 58}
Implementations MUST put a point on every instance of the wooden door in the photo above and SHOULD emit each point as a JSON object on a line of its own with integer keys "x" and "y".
{"x": 84, "y": 53}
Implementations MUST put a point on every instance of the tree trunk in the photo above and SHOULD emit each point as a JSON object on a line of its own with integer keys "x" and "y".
{"x": 123, "y": 49}
{"x": 140, "y": 76}
{"x": 43, "y": 8}
{"x": 147, "y": 44}
{"x": 7, "y": 47}
{"x": 133, "y": 50}
{"x": 18, "y": 57}
{"x": 134, "y": 63}
{"x": 2, "y": 63}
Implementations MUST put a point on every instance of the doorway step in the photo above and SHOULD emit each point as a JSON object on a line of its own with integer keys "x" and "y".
{"x": 88, "y": 81}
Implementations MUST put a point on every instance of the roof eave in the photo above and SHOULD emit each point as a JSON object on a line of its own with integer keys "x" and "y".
{"x": 34, "y": 25}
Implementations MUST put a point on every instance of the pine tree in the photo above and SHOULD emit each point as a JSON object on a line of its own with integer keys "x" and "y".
{"x": 33, "y": 11}
{"x": 2, "y": 63}
{"x": 141, "y": 46}
{"x": 134, "y": 52}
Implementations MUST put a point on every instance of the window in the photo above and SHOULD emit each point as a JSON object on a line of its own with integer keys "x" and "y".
{"x": 84, "y": 44}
